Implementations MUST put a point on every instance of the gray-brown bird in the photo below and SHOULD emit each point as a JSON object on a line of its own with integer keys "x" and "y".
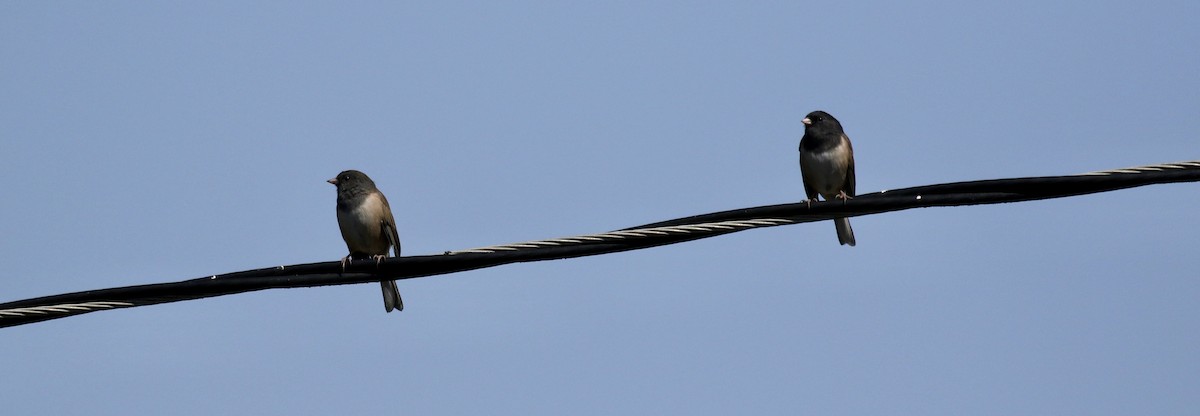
{"x": 367, "y": 225}
{"x": 827, "y": 165}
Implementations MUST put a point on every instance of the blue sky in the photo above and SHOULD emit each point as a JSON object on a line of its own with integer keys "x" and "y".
{"x": 146, "y": 142}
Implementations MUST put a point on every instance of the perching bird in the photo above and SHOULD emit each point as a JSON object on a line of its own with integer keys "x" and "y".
{"x": 367, "y": 225}
{"x": 827, "y": 165}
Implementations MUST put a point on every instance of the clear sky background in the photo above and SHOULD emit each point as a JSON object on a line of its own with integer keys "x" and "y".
{"x": 146, "y": 142}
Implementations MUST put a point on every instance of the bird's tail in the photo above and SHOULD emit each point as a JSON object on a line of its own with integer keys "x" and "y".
{"x": 845, "y": 233}
{"x": 391, "y": 296}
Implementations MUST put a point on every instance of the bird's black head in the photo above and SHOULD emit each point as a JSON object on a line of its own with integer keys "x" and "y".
{"x": 350, "y": 179}
{"x": 821, "y": 121}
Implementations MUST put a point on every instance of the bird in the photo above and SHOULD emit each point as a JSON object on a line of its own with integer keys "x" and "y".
{"x": 827, "y": 165}
{"x": 367, "y": 225}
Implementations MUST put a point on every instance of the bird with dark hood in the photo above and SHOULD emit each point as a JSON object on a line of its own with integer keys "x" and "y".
{"x": 367, "y": 225}
{"x": 827, "y": 165}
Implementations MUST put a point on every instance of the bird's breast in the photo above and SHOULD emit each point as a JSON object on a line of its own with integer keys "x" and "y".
{"x": 361, "y": 226}
{"x": 825, "y": 170}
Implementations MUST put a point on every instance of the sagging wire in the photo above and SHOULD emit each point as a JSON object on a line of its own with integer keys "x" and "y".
{"x": 650, "y": 235}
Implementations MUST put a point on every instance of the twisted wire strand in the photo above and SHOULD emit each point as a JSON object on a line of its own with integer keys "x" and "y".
{"x": 674, "y": 231}
{"x": 1148, "y": 168}
{"x": 634, "y": 233}
{"x": 64, "y": 308}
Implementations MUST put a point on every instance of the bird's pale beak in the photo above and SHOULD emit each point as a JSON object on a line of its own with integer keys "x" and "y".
{"x": 806, "y": 121}
{"x": 333, "y": 181}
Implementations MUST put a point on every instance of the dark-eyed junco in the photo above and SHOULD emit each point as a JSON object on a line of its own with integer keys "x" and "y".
{"x": 827, "y": 165}
{"x": 367, "y": 225}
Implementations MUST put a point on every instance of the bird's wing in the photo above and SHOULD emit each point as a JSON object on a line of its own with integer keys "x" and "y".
{"x": 848, "y": 186}
{"x": 389, "y": 226}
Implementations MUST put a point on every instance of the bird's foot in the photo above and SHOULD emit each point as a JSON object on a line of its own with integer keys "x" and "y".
{"x": 345, "y": 261}
{"x": 842, "y": 196}
{"x": 379, "y": 259}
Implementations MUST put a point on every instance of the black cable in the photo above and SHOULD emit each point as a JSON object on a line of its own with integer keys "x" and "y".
{"x": 650, "y": 235}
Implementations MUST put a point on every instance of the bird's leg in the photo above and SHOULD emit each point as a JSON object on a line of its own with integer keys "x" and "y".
{"x": 842, "y": 196}
{"x": 809, "y": 202}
